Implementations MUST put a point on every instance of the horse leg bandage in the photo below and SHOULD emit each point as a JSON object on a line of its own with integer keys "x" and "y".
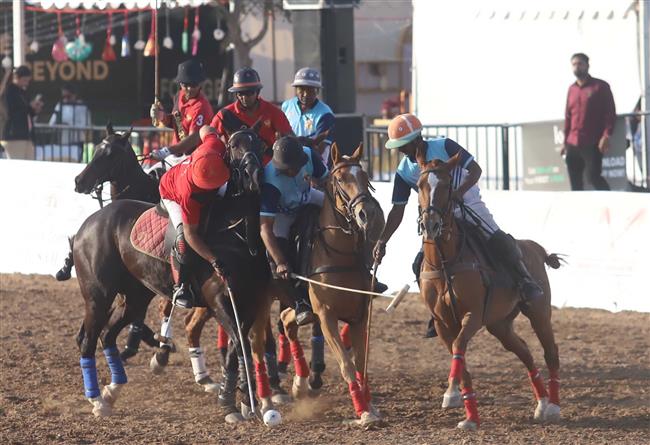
{"x": 299, "y": 362}
{"x": 118, "y": 375}
{"x": 358, "y": 398}
{"x": 317, "y": 354}
{"x": 537, "y": 382}
{"x": 457, "y": 366}
{"x": 345, "y": 336}
{"x": 554, "y": 386}
{"x": 471, "y": 406}
{"x": 222, "y": 338}
{"x": 262, "y": 379}
{"x": 89, "y": 373}
{"x": 198, "y": 364}
{"x": 284, "y": 353}
{"x": 363, "y": 383}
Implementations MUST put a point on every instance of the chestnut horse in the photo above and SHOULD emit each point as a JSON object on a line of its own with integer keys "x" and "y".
{"x": 453, "y": 288}
{"x": 350, "y": 215}
{"x": 108, "y": 264}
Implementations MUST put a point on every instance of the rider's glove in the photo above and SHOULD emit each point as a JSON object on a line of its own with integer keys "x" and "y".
{"x": 220, "y": 269}
{"x": 161, "y": 154}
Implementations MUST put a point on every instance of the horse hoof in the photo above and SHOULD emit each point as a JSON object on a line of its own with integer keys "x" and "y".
{"x": 100, "y": 407}
{"x": 111, "y": 392}
{"x": 315, "y": 382}
{"x": 452, "y": 400}
{"x": 300, "y": 388}
{"x": 540, "y": 410}
{"x": 156, "y": 368}
{"x": 209, "y": 385}
{"x": 246, "y": 412}
{"x": 552, "y": 413}
{"x": 234, "y": 418}
{"x": 366, "y": 420}
{"x": 468, "y": 425}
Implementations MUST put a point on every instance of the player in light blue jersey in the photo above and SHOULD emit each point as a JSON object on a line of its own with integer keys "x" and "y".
{"x": 308, "y": 115}
{"x": 404, "y": 133}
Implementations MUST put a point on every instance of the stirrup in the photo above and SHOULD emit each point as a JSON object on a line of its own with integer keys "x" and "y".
{"x": 183, "y": 297}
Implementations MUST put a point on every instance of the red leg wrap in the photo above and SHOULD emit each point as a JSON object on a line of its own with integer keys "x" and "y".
{"x": 345, "y": 336}
{"x": 554, "y": 386}
{"x": 457, "y": 366}
{"x": 471, "y": 406}
{"x": 222, "y": 338}
{"x": 262, "y": 379}
{"x": 283, "y": 349}
{"x": 365, "y": 388}
{"x": 537, "y": 382}
{"x": 299, "y": 362}
{"x": 358, "y": 399}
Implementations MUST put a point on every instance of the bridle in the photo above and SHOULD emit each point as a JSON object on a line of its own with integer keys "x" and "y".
{"x": 116, "y": 171}
{"x": 250, "y": 156}
{"x": 349, "y": 203}
{"x": 431, "y": 209}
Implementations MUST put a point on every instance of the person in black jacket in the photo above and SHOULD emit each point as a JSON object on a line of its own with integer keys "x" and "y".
{"x": 16, "y": 137}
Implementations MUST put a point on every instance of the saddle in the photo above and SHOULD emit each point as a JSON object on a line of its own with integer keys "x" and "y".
{"x": 494, "y": 272}
{"x": 153, "y": 234}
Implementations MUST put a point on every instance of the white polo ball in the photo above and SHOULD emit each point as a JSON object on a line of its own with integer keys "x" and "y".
{"x": 272, "y": 418}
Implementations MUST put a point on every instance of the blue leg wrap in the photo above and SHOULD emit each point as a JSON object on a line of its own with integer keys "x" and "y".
{"x": 118, "y": 375}
{"x": 89, "y": 373}
{"x": 317, "y": 350}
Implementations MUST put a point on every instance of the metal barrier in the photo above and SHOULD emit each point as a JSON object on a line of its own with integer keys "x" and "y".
{"x": 496, "y": 147}
{"x": 65, "y": 143}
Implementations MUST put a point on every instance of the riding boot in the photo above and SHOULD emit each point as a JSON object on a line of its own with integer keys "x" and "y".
{"x": 295, "y": 290}
{"x": 183, "y": 295}
{"x": 506, "y": 248}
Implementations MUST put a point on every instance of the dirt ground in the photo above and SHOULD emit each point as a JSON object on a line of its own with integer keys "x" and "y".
{"x": 605, "y": 383}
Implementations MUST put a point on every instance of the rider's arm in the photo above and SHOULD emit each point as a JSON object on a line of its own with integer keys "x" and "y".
{"x": 474, "y": 174}
{"x": 191, "y": 141}
{"x": 270, "y": 241}
{"x": 393, "y": 221}
{"x": 196, "y": 242}
{"x": 320, "y": 173}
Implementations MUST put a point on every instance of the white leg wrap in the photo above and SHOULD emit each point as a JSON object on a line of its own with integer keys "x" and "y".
{"x": 540, "y": 409}
{"x": 166, "y": 328}
{"x": 198, "y": 364}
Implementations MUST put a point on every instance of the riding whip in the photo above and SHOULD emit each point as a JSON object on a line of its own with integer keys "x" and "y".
{"x": 397, "y": 298}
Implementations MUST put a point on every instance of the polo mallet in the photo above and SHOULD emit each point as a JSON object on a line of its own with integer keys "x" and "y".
{"x": 365, "y": 361}
{"x": 396, "y": 299}
{"x": 156, "y": 61}
{"x": 243, "y": 348}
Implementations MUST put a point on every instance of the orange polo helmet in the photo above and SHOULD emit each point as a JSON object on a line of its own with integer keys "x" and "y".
{"x": 209, "y": 172}
{"x": 402, "y": 130}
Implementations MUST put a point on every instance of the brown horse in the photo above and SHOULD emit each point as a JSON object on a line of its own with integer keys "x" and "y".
{"x": 108, "y": 264}
{"x": 348, "y": 221}
{"x": 453, "y": 288}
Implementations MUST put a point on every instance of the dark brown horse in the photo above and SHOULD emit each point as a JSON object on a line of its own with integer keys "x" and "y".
{"x": 349, "y": 223}
{"x": 454, "y": 289}
{"x": 108, "y": 264}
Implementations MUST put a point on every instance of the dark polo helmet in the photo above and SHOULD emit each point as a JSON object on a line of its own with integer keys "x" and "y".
{"x": 191, "y": 72}
{"x": 288, "y": 153}
{"x": 245, "y": 79}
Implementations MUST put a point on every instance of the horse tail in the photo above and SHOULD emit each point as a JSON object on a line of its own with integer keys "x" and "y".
{"x": 554, "y": 260}
{"x": 65, "y": 272}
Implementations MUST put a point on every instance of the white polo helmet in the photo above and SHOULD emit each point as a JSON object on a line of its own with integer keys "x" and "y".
{"x": 307, "y": 77}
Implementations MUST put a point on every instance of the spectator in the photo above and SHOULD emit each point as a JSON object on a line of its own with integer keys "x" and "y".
{"x": 588, "y": 125}
{"x": 72, "y": 111}
{"x": 307, "y": 115}
{"x": 17, "y": 128}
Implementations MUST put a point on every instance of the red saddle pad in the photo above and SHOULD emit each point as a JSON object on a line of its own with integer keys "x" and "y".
{"x": 148, "y": 234}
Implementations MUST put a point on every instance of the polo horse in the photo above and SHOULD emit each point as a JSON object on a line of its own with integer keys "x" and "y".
{"x": 350, "y": 215}
{"x": 463, "y": 292}
{"x": 107, "y": 264}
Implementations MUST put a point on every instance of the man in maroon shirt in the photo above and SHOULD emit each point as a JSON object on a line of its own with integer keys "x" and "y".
{"x": 588, "y": 125}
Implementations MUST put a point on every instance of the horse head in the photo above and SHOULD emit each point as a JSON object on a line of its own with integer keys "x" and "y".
{"x": 434, "y": 195}
{"x": 245, "y": 158}
{"x": 351, "y": 188}
{"x": 111, "y": 160}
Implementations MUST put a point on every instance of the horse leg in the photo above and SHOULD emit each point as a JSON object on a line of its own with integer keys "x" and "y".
{"x": 459, "y": 374}
{"x": 284, "y": 353}
{"x": 317, "y": 363}
{"x": 540, "y": 321}
{"x": 300, "y": 387}
{"x": 329, "y": 324}
{"x": 161, "y": 357}
{"x": 258, "y": 346}
{"x": 194, "y": 323}
{"x": 279, "y": 395}
{"x": 505, "y": 333}
{"x": 345, "y": 336}
{"x": 228, "y": 389}
{"x": 222, "y": 343}
{"x": 358, "y": 339}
